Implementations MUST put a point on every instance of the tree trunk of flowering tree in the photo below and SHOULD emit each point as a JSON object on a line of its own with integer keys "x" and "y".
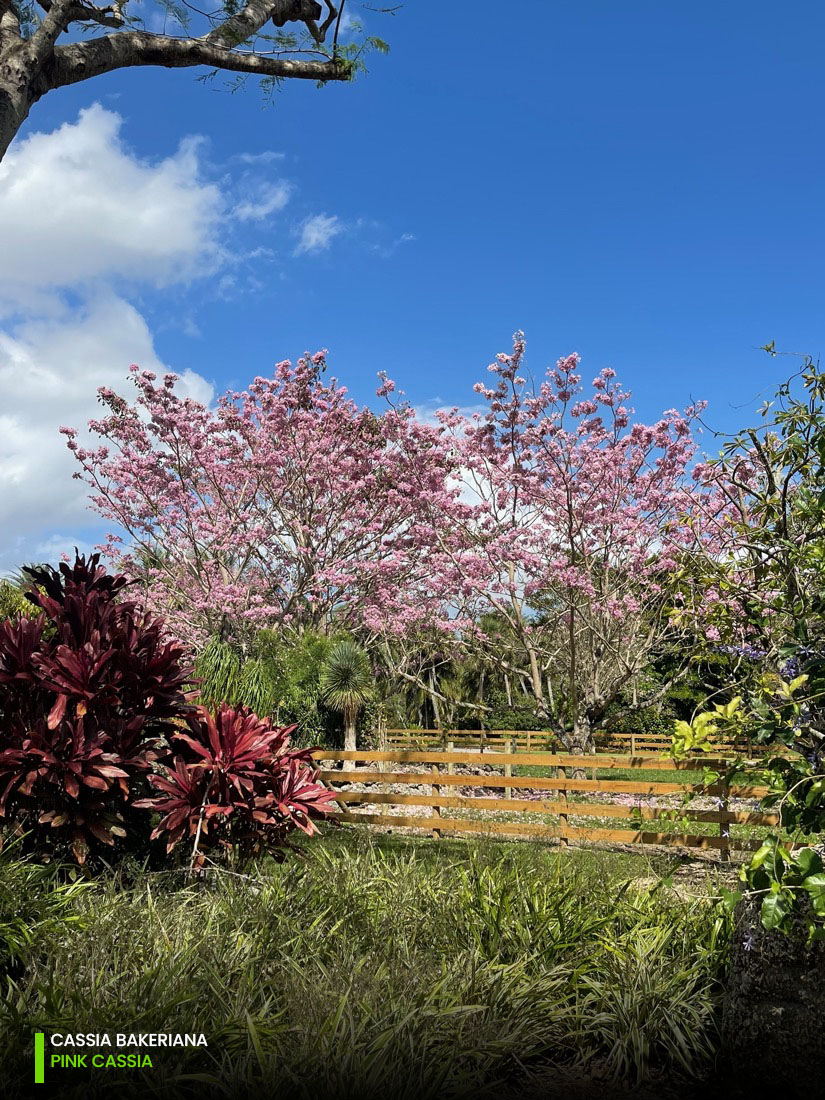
{"x": 581, "y": 736}
{"x": 774, "y": 1007}
{"x": 580, "y": 741}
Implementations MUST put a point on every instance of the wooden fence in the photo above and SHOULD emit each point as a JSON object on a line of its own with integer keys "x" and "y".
{"x": 438, "y": 777}
{"x": 529, "y": 740}
{"x": 469, "y": 739}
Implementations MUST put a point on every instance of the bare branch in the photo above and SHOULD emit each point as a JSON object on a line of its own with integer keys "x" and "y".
{"x": 252, "y": 16}
{"x": 42, "y": 41}
{"x": 80, "y": 12}
{"x": 82, "y": 60}
{"x": 9, "y": 22}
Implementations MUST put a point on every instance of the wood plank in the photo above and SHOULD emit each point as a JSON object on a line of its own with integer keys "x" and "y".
{"x": 626, "y": 836}
{"x": 545, "y": 759}
{"x": 547, "y": 806}
{"x": 504, "y": 828}
{"x": 521, "y": 782}
{"x": 742, "y": 844}
{"x": 653, "y": 788}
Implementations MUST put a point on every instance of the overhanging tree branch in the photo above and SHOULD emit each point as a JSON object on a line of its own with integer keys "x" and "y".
{"x": 82, "y": 60}
{"x": 33, "y": 64}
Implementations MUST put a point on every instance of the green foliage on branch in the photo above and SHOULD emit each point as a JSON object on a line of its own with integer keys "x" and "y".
{"x": 774, "y": 589}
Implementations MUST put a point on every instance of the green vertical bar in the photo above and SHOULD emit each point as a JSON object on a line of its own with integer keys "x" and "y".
{"x": 39, "y": 1058}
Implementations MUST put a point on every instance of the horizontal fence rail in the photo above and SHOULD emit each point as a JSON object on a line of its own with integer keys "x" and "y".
{"x": 564, "y": 777}
{"x": 542, "y": 739}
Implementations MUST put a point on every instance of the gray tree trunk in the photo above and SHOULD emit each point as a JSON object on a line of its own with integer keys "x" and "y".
{"x": 16, "y": 99}
{"x": 580, "y": 742}
{"x": 349, "y": 744}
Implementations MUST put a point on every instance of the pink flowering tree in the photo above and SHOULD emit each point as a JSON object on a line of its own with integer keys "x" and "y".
{"x": 286, "y": 505}
{"x": 576, "y": 527}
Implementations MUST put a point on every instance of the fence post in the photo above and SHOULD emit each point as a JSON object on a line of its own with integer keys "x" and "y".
{"x": 724, "y": 826}
{"x": 632, "y": 744}
{"x": 436, "y": 810}
{"x": 450, "y": 766}
{"x": 508, "y": 770}
{"x": 563, "y": 840}
{"x": 483, "y": 740}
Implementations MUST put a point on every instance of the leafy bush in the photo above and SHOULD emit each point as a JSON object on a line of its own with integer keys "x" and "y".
{"x": 235, "y": 784}
{"x": 12, "y": 601}
{"x": 88, "y": 689}
{"x": 520, "y": 715}
{"x": 278, "y": 678}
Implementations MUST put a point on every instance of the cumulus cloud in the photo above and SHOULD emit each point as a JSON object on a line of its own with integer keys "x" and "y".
{"x": 80, "y": 211}
{"x": 317, "y": 233}
{"x": 78, "y": 205}
{"x": 50, "y": 370}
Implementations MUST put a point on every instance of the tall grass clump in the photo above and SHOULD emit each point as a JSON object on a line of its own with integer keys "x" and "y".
{"x": 366, "y": 969}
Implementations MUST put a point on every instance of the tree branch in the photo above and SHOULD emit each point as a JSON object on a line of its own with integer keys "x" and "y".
{"x": 82, "y": 60}
{"x": 252, "y": 16}
{"x": 9, "y": 22}
{"x": 79, "y": 12}
{"x": 41, "y": 44}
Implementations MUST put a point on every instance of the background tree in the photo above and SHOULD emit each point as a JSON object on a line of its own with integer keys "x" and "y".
{"x": 346, "y": 685}
{"x": 272, "y": 39}
{"x": 287, "y": 506}
{"x": 573, "y": 526}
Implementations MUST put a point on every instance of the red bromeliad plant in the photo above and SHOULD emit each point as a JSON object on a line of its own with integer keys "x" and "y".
{"x": 88, "y": 691}
{"x": 236, "y": 784}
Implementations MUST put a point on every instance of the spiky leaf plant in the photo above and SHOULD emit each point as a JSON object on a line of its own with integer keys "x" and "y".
{"x": 346, "y": 685}
{"x": 236, "y": 785}
{"x": 88, "y": 690}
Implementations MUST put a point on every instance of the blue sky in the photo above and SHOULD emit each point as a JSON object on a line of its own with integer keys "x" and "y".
{"x": 640, "y": 183}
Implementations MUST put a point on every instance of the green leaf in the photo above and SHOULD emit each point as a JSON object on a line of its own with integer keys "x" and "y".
{"x": 730, "y": 899}
{"x": 761, "y": 855}
{"x": 775, "y": 908}
{"x": 797, "y": 683}
{"x": 809, "y": 862}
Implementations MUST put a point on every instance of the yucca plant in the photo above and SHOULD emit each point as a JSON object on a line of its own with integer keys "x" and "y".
{"x": 346, "y": 685}
{"x": 236, "y": 785}
{"x": 88, "y": 690}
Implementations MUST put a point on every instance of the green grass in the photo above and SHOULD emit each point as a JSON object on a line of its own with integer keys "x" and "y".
{"x": 374, "y": 967}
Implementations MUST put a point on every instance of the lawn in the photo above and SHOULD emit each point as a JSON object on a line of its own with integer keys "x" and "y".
{"x": 374, "y": 966}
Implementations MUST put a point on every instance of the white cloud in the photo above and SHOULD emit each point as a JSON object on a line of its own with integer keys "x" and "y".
{"x": 78, "y": 205}
{"x": 267, "y": 157}
{"x": 78, "y": 212}
{"x": 350, "y": 23}
{"x": 50, "y": 371}
{"x": 267, "y": 198}
{"x": 318, "y": 232}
